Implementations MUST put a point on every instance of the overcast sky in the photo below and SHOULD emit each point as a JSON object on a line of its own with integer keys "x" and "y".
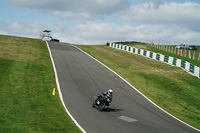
{"x": 101, "y": 21}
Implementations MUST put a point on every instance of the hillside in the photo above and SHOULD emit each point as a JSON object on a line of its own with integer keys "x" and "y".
{"x": 27, "y": 81}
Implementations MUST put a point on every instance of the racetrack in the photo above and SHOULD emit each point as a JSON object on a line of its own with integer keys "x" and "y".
{"x": 81, "y": 78}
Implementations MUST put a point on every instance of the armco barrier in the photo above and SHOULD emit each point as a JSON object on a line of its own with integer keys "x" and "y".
{"x": 192, "y": 69}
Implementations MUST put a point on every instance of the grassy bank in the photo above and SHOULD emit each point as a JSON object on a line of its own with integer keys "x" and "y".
{"x": 27, "y": 81}
{"x": 170, "y": 87}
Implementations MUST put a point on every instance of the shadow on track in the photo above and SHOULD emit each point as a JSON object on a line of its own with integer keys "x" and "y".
{"x": 111, "y": 110}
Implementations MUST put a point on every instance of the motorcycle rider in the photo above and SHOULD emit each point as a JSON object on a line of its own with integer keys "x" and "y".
{"x": 107, "y": 94}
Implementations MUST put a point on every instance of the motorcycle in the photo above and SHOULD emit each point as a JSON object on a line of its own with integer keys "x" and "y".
{"x": 101, "y": 102}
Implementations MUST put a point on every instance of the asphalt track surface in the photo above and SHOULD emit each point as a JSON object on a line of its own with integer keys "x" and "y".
{"x": 81, "y": 78}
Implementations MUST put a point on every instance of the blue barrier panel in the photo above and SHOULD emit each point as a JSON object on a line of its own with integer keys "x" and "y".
{"x": 174, "y": 61}
{"x": 151, "y": 55}
{"x": 145, "y": 53}
{"x": 133, "y": 50}
{"x": 166, "y": 58}
{"x": 158, "y": 57}
{"x": 191, "y": 68}
{"x": 183, "y": 64}
{"x": 138, "y": 51}
{"x": 129, "y": 49}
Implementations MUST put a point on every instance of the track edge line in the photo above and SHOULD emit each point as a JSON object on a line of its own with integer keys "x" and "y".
{"x": 59, "y": 91}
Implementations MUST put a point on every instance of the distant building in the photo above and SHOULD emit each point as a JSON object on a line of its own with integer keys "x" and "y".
{"x": 45, "y": 35}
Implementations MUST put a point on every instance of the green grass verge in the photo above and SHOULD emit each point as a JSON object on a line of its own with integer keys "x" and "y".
{"x": 170, "y": 87}
{"x": 27, "y": 81}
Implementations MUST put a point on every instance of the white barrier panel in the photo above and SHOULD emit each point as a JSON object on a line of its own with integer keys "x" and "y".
{"x": 136, "y": 50}
{"x": 154, "y": 56}
{"x": 196, "y": 71}
{"x": 148, "y": 54}
{"x": 162, "y": 57}
{"x": 170, "y": 60}
{"x": 187, "y": 66}
{"x": 178, "y": 63}
{"x": 141, "y": 51}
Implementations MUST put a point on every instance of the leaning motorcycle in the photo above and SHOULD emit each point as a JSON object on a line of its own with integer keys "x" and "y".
{"x": 101, "y": 102}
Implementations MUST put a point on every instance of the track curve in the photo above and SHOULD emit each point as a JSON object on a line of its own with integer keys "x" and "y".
{"x": 81, "y": 78}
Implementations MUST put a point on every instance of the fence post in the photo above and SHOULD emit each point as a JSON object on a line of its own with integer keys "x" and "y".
{"x": 199, "y": 57}
{"x": 194, "y": 55}
{"x": 185, "y": 52}
{"x": 189, "y": 54}
{"x": 174, "y": 50}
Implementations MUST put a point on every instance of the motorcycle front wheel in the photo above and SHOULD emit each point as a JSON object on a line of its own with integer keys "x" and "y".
{"x": 102, "y": 106}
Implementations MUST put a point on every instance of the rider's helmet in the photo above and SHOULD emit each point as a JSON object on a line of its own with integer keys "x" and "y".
{"x": 110, "y": 92}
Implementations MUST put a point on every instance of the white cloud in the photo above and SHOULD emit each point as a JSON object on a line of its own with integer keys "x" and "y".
{"x": 179, "y": 14}
{"x": 27, "y": 29}
{"x": 100, "y": 33}
{"x": 67, "y": 8}
{"x": 168, "y": 22}
{"x": 64, "y": 14}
